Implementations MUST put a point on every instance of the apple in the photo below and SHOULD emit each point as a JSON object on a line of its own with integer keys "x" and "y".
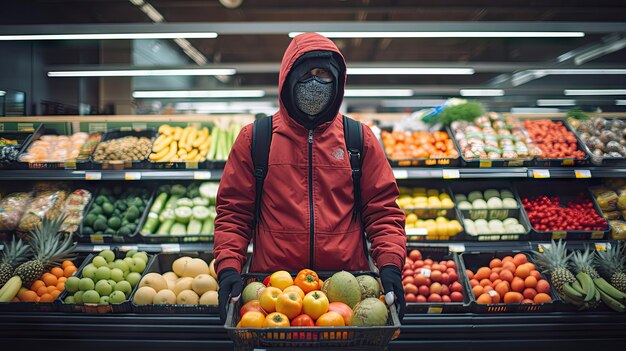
{"x": 138, "y": 265}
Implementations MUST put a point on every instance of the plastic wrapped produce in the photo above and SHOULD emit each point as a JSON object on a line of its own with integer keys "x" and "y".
{"x": 606, "y": 198}
{"x": 45, "y": 203}
{"x": 73, "y": 208}
{"x": 55, "y": 148}
{"x": 618, "y": 229}
{"x": 12, "y": 208}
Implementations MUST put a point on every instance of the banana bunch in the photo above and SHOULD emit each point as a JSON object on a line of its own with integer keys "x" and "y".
{"x": 586, "y": 293}
{"x": 10, "y": 289}
{"x": 176, "y": 144}
{"x": 612, "y": 297}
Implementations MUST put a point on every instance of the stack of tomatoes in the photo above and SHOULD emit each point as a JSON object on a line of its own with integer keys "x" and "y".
{"x": 298, "y": 302}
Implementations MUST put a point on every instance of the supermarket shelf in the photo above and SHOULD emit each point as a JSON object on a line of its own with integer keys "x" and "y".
{"x": 130, "y": 174}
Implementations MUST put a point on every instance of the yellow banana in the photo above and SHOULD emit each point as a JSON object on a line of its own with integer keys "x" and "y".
{"x": 200, "y": 139}
{"x": 183, "y": 137}
{"x": 182, "y": 153}
{"x": 191, "y": 137}
{"x": 160, "y": 139}
{"x": 206, "y": 145}
{"x": 157, "y": 156}
{"x": 165, "y": 130}
{"x": 178, "y": 132}
{"x": 192, "y": 154}
{"x": 157, "y": 147}
{"x": 171, "y": 154}
{"x": 10, "y": 289}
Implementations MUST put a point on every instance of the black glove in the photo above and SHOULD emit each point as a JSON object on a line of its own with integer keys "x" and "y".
{"x": 391, "y": 278}
{"x": 231, "y": 286}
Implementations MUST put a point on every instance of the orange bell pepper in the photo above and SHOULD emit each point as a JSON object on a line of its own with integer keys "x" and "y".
{"x": 307, "y": 280}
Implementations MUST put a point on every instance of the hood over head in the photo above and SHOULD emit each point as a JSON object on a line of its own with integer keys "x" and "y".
{"x": 305, "y": 52}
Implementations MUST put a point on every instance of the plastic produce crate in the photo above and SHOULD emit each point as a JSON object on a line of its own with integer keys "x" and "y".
{"x": 120, "y": 133}
{"x": 79, "y": 262}
{"x": 475, "y": 260}
{"x": 163, "y": 263}
{"x": 124, "y": 307}
{"x": 570, "y": 161}
{"x": 465, "y": 188}
{"x": 424, "y": 162}
{"x": 41, "y": 131}
{"x": 179, "y": 165}
{"x": 357, "y": 338}
{"x": 566, "y": 190}
{"x": 601, "y": 160}
{"x": 23, "y": 139}
{"x": 441, "y": 254}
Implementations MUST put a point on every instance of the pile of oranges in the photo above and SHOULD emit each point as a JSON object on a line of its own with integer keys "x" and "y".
{"x": 405, "y": 145}
{"x": 49, "y": 286}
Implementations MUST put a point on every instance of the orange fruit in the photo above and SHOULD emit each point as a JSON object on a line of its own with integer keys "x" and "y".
{"x": 520, "y": 259}
{"x": 482, "y": 273}
{"x": 61, "y": 286}
{"x": 57, "y": 271}
{"x": 474, "y": 282}
{"x": 542, "y": 298}
{"x": 518, "y": 284}
{"x": 69, "y": 271}
{"x": 509, "y": 265}
{"x": 38, "y": 299}
{"x": 478, "y": 290}
{"x": 42, "y": 290}
{"x": 55, "y": 294}
{"x": 485, "y": 282}
{"x": 507, "y": 259}
{"x": 529, "y": 293}
{"x": 484, "y": 299}
{"x": 29, "y": 296}
{"x": 530, "y": 282}
{"x": 543, "y": 286}
{"x": 62, "y": 279}
{"x": 52, "y": 288}
{"x": 66, "y": 264}
{"x": 21, "y": 292}
{"x": 513, "y": 297}
{"x": 536, "y": 274}
{"x": 37, "y": 284}
{"x": 522, "y": 271}
{"x": 49, "y": 279}
{"x": 506, "y": 275}
{"x": 46, "y": 298}
{"x": 494, "y": 276}
{"x": 496, "y": 262}
{"x": 502, "y": 288}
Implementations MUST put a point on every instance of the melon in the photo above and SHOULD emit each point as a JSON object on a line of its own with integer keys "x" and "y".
{"x": 170, "y": 276}
{"x": 190, "y": 267}
{"x": 370, "y": 312}
{"x": 179, "y": 265}
{"x": 182, "y": 284}
{"x": 164, "y": 297}
{"x": 155, "y": 281}
{"x": 208, "y": 298}
{"x": 252, "y": 291}
{"x": 203, "y": 283}
{"x": 344, "y": 287}
{"x": 187, "y": 297}
{"x": 369, "y": 286}
{"x": 144, "y": 296}
{"x": 212, "y": 271}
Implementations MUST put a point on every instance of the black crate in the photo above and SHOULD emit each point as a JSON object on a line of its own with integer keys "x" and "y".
{"x": 558, "y": 162}
{"x": 68, "y": 164}
{"x": 566, "y": 190}
{"x": 602, "y": 161}
{"x": 464, "y": 188}
{"x": 79, "y": 262}
{"x": 123, "y": 307}
{"x": 120, "y": 133}
{"x": 163, "y": 263}
{"x": 440, "y": 254}
{"x": 475, "y": 260}
{"x": 23, "y": 140}
{"x": 423, "y": 162}
{"x": 113, "y": 238}
{"x": 361, "y": 338}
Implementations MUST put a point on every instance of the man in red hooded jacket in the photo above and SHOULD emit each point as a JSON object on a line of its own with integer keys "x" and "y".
{"x": 306, "y": 213}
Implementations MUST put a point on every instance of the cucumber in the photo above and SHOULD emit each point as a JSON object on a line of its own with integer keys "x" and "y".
{"x": 178, "y": 229}
{"x": 165, "y": 227}
{"x": 151, "y": 224}
{"x": 200, "y": 201}
{"x": 208, "y": 227}
{"x": 167, "y": 214}
{"x": 200, "y": 213}
{"x": 171, "y": 203}
{"x": 194, "y": 227}
{"x": 159, "y": 203}
{"x": 208, "y": 190}
{"x": 184, "y": 202}
{"x": 183, "y": 214}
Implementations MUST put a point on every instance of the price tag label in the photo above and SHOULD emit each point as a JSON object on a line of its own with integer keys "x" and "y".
{"x": 98, "y": 248}
{"x": 516, "y": 163}
{"x": 201, "y": 175}
{"x": 568, "y": 162}
{"x": 170, "y": 248}
{"x": 541, "y": 173}
{"x": 25, "y": 127}
{"x": 140, "y": 126}
{"x": 597, "y": 235}
{"x": 93, "y": 175}
{"x": 543, "y": 247}
{"x": 559, "y": 235}
{"x": 425, "y": 272}
{"x": 485, "y": 163}
{"x": 191, "y": 165}
{"x": 434, "y": 310}
{"x": 97, "y": 127}
{"x": 126, "y": 248}
{"x": 400, "y": 174}
{"x": 492, "y": 293}
{"x": 132, "y": 176}
{"x": 451, "y": 174}
{"x": 582, "y": 173}
{"x": 600, "y": 246}
{"x": 416, "y": 231}
{"x": 69, "y": 164}
{"x": 96, "y": 239}
{"x": 456, "y": 247}
{"x": 125, "y": 129}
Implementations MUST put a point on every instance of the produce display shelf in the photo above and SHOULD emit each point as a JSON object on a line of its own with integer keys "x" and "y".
{"x": 130, "y": 175}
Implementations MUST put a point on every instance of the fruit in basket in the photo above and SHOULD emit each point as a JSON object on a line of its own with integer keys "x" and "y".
{"x": 423, "y": 278}
{"x": 164, "y": 297}
{"x": 302, "y": 320}
{"x": 252, "y": 319}
{"x": 369, "y": 286}
{"x": 203, "y": 283}
{"x": 190, "y": 267}
{"x": 344, "y": 310}
{"x": 115, "y": 213}
{"x": 547, "y": 214}
{"x": 154, "y": 280}
{"x": 289, "y": 304}
{"x": 251, "y": 291}
{"x": 208, "y": 298}
{"x": 187, "y": 297}
{"x": 330, "y": 319}
{"x": 281, "y": 280}
{"x": 344, "y": 287}
{"x": 55, "y": 148}
{"x": 315, "y": 303}
{"x": 14, "y": 253}
{"x": 370, "y": 312}
{"x": 405, "y": 145}
{"x": 275, "y": 320}
{"x": 268, "y": 298}
{"x": 307, "y": 280}
{"x": 253, "y": 305}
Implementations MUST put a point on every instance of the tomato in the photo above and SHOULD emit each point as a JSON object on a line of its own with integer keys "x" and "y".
{"x": 253, "y": 305}
{"x": 252, "y": 319}
{"x": 303, "y": 320}
{"x": 289, "y": 304}
{"x": 330, "y": 319}
{"x": 344, "y": 310}
{"x": 268, "y": 297}
{"x": 315, "y": 304}
{"x": 281, "y": 280}
{"x": 307, "y": 280}
{"x": 275, "y": 320}
{"x": 295, "y": 289}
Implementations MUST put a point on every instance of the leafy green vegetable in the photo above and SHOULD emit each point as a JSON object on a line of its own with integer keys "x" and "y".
{"x": 465, "y": 112}
{"x": 577, "y": 113}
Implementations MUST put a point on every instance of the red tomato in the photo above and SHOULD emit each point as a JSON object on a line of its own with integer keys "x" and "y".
{"x": 303, "y": 320}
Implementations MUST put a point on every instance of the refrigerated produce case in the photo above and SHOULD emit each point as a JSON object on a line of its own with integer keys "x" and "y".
{"x": 443, "y": 329}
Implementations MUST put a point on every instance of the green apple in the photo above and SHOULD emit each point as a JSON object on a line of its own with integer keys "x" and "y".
{"x": 117, "y": 297}
{"x": 99, "y": 261}
{"x": 72, "y": 284}
{"x": 117, "y": 275}
{"x": 86, "y": 284}
{"x": 69, "y": 300}
{"x": 124, "y": 287}
{"x": 103, "y": 287}
{"x": 121, "y": 264}
{"x": 78, "y": 297}
{"x": 104, "y": 300}
{"x": 131, "y": 253}
{"x": 89, "y": 271}
{"x": 91, "y": 296}
{"x": 141, "y": 255}
{"x": 103, "y": 273}
{"x": 111, "y": 265}
{"x": 112, "y": 282}
{"x": 129, "y": 262}
{"x": 108, "y": 255}
{"x": 133, "y": 278}
{"x": 138, "y": 265}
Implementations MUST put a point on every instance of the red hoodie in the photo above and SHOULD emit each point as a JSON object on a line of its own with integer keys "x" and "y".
{"x": 286, "y": 239}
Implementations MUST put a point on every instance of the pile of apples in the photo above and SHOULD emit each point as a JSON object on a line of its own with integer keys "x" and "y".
{"x": 426, "y": 280}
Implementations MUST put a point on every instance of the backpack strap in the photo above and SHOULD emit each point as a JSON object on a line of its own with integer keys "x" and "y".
{"x": 261, "y": 140}
{"x": 353, "y": 134}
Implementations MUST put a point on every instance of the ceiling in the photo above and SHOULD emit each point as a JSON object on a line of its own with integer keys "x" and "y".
{"x": 269, "y": 48}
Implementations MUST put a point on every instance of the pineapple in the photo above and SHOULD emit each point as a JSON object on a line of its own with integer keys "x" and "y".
{"x": 50, "y": 248}
{"x": 584, "y": 262}
{"x": 553, "y": 261}
{"x": 14, "y": 254}
{"x": 611, "y": 266}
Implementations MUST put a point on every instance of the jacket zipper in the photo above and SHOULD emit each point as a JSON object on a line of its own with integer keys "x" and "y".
{"x": 312, "y": 220}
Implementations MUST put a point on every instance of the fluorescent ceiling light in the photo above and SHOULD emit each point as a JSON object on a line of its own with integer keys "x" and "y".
{"x": 198, "y": 94}
{"x": 413, "y": 103}
{"x": 2, "y": 92}
{"x": 208, "y": 106}
{"x": 147, "y": 72}
{"x": 482, "y": 92}
{"x": 377, "y": 92}
{"x": 578, "y": 71}
{"x": 109, "y": 36}
{"x": 409, "y": 70}
{"x": 556, "y": 102}
{"x": 620, "y": 102}
{"x": 448, "y": 34}
{"x": 595, "y": 92}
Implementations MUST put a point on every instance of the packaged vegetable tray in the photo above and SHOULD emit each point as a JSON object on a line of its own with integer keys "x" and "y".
{"x": 555, "y": 137}
{"x": 49, "y": 150}
{"x": 48, "y": 200}
{"x": 124, "y": 148}
{"x": 12, "y": 207}
{"x": 9, "y": 152}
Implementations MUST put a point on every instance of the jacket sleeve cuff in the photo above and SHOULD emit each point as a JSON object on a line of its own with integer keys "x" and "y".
{"x": 390, "y": 259}
{"x": 229, "y": 263}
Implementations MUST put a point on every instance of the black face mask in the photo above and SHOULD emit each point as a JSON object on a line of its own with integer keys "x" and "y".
{"x": 313, "y": 95}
